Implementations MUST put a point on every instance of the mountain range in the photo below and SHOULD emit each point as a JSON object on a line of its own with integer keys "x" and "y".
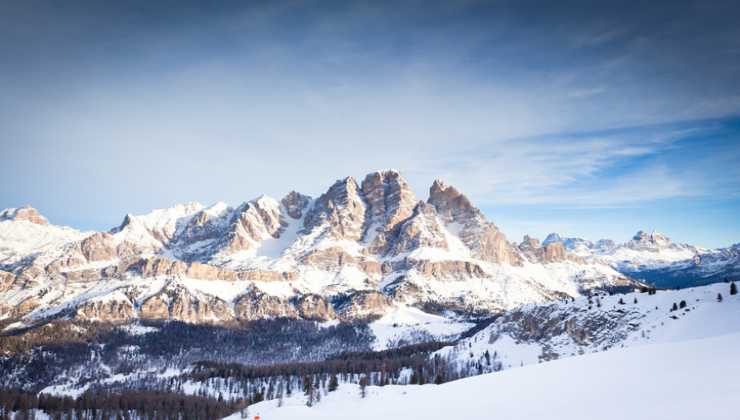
{"x": 357, "y": 252}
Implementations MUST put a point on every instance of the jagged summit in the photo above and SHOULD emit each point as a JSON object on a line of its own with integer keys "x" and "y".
{"x": 451, "y": 204}
{"x": 553, "y": 237}
{"x": 651, "y": 239}
{"x": 25, "y": 213}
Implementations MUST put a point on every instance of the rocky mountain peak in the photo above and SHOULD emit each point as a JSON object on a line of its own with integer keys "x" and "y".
{"x": 389, "y": 198}
{"x": 25, "y": 213}
{"x": 652, "y": 237}
{"x": 421, "y": 230}
{"x": 254, "y": 222}
{"x": 553, "y": 237}
{"x": 482, "y": 237}
{"x": 295, "y": 203}
{"x": 529, "y": 242}
{"x": 652, "y": 240}
{"x": 340, "y": 211}
{"x": 451, "y": 204}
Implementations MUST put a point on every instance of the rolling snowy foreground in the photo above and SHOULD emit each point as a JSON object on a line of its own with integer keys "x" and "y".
{"x": 695, "y": 379}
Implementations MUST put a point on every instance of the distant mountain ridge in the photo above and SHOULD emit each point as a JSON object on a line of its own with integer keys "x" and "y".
{"x": 654, "y": 258}
{"x": 355, "y": 252}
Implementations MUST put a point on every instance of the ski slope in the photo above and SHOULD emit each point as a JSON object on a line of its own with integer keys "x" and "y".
{"x": 695, "y": 379}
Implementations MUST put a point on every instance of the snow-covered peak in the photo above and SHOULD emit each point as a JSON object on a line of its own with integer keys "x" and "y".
{"x": 651, "y": 241}
{"x": 156, "y": 228}
{"x": 295, "y": 203}
{"x": 21, "y": 238}
{"x": 217, "y": 209}
{"x": 25, "y": 213}
{"x": 553, "y": 237}
{"x": 159, "y": 219}
{"x": 266, "y": 202}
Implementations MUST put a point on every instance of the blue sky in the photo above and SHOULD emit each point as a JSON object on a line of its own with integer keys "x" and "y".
{"x": 590, "y": 120}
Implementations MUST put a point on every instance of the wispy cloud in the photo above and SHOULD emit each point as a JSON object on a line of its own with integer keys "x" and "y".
{"x": 586, "y": 92}
{"x": 601, "y": 169}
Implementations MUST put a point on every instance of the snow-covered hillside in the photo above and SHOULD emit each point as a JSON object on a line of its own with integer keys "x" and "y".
{"x": 532, "y": 334}
{"x": 693, "y": 379}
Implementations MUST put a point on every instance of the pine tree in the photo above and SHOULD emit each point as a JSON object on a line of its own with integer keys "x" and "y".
{"x": 621, "y": 301}
{"x": 733, "y": 288}
{"x": 308, "y": 390}
{"x": 414, "y": 380}
{"x": 675, "y": 307}
{"x": 363, "y": 386}
{"x": 635, "y": 302}
{"x": 719, "y": 297}
{"x": 682, "y": 304}
{"x": 333, "y": 383}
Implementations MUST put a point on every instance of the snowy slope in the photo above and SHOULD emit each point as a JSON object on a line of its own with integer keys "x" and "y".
{"x": 532, "y": 334}
{"x": 21, "y": 239}
{"x": 406, "y": 325}
{"x": 692, "y": 379}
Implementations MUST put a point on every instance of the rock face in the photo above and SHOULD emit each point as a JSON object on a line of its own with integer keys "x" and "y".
{"x": 351, "y": 254}
{"x": 422, "y": 230}
{"x": 27, "y": 213}
{"x": 256, "y": 305}
{"x": 180, "y": 305}
{"x": 315, "y": 307}
{"x": 481, "y": 236}
{"x": 295, "y": 204}
{"x": 362, "y": 306}
{"x": 115, "y": 311}
{"x": 331, "y": 259}
{"x": 257, "y": 221}
{"x": 6, "y": 280}
{"x": 554, "y": 251}
{"x": 390, "y": 201}
{"x": 460, "y": 270}
{"x": 340, "y": 212}
{"x": 649, "y": 241}
{"x": 99, "y": 247}
{"x": 551, "y": 250}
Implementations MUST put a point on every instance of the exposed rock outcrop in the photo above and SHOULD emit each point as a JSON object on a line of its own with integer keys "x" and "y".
{"x": 6, "y": 280}
{"x": 460, "y": 270}
{"x": 390, "y": 201}
{"x": 261, "y": 275}
{"x": 422, "y": 230}
{"x": 180, "y": 305}
{"x": 554, "y": 251}
{"x": 315, "y": 307}
{"x": 340, "y": 212}
{"x": 482, "y": 237}
{"x": 295, "y": 204}
{"x": 362, "y": 305}
{"x": 99, "y": 247}
{"x": 114, "y": 311}
{"x": 256, "y": 305}
{"x": 551, "y": 250}
{"x": 331, "y": 259}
